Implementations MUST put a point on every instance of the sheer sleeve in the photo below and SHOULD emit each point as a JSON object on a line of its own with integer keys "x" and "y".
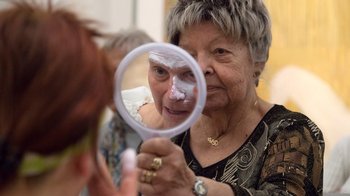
{"x": 294, "y": 163}
{"x": 135, "y": 98}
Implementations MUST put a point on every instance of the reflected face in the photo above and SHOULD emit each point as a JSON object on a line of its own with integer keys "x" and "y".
{"x": 226, "y": 64}
{"x": 172, "y": 87}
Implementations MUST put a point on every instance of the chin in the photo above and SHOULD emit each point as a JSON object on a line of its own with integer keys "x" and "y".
{"x": 208, "y": 110}
{"x": 172, "y": 123}
{"x": 215, "y": 104}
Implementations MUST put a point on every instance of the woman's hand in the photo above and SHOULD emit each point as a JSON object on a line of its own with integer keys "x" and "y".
{"x": 163, "y": 169}
{"x": 101, "y": 183}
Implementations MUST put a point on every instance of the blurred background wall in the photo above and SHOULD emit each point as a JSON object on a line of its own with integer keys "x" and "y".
{"x": 114, "y": 15}
{"x": 309, "y": 65}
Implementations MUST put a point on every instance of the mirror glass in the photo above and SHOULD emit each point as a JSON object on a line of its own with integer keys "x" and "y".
{"x": 160, "y": 90}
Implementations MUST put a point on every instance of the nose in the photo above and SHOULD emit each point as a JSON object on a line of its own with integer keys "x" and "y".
{"x": 208, "y": 71}
{"x": 174, "y": 92}
{"x": 205, "y": 62}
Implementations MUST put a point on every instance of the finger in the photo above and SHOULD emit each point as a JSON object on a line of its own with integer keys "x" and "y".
{"x": 147, "y": 180}
{"x": 147, "y": 161}
{"x": 158, "y": 146}
{"x": 128, "y": 186}
{"x": 146, "y": 189}
{"x": 144, "y": 160}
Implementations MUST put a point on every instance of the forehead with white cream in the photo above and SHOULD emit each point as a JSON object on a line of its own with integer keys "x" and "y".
{"x": 167, "y": 58}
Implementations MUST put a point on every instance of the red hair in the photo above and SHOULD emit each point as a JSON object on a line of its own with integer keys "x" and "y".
{"x": 54, "y": 81}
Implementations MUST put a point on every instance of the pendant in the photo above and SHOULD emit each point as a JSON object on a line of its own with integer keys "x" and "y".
{"x": 213, "y": 142}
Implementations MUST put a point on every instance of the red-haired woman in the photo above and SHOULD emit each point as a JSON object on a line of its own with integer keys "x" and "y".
{"x": 54, "y": 86}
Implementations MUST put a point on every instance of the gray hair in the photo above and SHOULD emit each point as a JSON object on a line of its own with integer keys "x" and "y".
{"x": 246, "y": 20}
{"x": 127, "y": 40}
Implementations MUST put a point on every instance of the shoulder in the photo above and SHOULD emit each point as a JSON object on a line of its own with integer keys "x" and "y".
{"x": 135, "y": 98}
{"x": 295, "y": 149}
{"x": 150, "y": 116}
{"x": 283, "y": 121}
{"x": 138, "y": 94}
{"x": 295, "y": 134}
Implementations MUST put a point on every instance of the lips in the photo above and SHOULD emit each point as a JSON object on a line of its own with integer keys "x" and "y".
{"x": 175, "y": 116}
{"x": 175, "y": 111}
{"x": 213, "y": 88}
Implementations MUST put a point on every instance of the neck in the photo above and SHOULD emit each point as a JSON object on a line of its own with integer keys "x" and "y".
{"x": 237, "y": 122}
{"x": 226, "y": 120}
{"x": 63, "y": 180}
{"x": 22, "y": 186}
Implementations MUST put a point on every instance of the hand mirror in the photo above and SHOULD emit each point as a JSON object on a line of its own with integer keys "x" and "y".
{"x": 160, "y": 90}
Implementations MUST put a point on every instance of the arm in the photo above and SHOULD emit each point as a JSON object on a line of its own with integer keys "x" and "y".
{"x": 134, "y": 99}
{"x": 293, "y": 164}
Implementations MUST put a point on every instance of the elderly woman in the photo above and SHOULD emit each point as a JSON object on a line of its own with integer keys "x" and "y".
{"x": 241, "y": 145}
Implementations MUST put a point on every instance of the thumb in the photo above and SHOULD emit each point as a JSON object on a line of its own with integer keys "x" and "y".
{"x": 128, "y": 186}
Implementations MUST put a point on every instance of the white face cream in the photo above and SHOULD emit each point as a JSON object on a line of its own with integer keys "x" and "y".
{"x": 168, "y": 59}
{"x": 180, "y": 89}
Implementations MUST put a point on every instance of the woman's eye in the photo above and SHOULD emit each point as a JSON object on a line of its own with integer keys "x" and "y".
{"x": 188, "y": 76}
{"x": 220, "y": 51}
{"x": 160, "y": 72}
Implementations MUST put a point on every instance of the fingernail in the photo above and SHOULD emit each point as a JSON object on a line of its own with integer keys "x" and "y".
{"x": 129, "y": 160}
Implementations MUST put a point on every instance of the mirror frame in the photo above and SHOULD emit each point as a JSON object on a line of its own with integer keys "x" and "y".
{"x": 146, "y": 132}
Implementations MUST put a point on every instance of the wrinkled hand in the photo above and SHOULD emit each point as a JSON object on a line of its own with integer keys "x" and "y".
{"x": 101, "y": 184}
{"x": 173, "y": 177}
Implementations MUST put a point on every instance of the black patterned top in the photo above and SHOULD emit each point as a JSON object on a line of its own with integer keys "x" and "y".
{"x": 283, "y": 156}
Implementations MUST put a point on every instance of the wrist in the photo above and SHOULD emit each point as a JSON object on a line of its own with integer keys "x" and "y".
{"x": 199, "y": 188}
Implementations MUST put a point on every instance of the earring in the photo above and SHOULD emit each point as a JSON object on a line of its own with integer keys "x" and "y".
{"x": 256, "y": 74}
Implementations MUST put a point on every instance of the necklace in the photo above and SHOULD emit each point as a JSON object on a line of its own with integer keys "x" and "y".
{"x": 212, "y": 141}
{"x": 215, "y": 141}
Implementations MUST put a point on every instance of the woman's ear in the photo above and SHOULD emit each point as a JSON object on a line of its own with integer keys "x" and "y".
{"x": 258, "y": 69}
{"x": 101, "y": 182}
{"x": 73, "y": 174}
{"x": 83, "y": 164}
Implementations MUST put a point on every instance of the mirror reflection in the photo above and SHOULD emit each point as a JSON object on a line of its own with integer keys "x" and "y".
{"x": 159, "y": 89}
